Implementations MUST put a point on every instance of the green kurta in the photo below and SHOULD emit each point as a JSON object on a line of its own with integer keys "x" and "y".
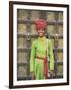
{"x": 39, "y": 47}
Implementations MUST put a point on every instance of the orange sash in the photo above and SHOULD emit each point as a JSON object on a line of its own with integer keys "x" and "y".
{"x": 45, "y": 65}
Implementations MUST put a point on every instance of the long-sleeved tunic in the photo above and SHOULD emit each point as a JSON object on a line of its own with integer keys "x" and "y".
{"x": 41, "y": 47}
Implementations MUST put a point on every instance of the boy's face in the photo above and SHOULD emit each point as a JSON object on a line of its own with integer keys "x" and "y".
{"x": 41, "y": 32}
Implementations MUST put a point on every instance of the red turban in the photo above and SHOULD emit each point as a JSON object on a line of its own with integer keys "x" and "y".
{"x": 40, "y": 24}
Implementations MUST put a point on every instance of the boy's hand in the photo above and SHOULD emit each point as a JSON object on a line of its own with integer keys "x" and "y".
{"x": 51, "y": 73}
{"x": 33, "y": 76}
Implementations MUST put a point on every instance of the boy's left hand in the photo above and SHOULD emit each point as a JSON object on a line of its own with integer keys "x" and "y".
{"x": 52, "y": 73}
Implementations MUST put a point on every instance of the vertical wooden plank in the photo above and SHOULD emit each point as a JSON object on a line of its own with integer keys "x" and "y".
{"x": 28, "y": 40}
{"x": 56, "y": 43}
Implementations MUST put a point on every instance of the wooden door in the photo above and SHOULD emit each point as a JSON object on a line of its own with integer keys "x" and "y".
{"x": 26, "y": 33}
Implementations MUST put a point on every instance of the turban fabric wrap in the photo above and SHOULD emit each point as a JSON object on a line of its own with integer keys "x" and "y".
{"x": 40, "y": 24}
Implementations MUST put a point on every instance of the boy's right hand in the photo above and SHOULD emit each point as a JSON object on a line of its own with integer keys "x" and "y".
{"x": 32, "y": 75}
